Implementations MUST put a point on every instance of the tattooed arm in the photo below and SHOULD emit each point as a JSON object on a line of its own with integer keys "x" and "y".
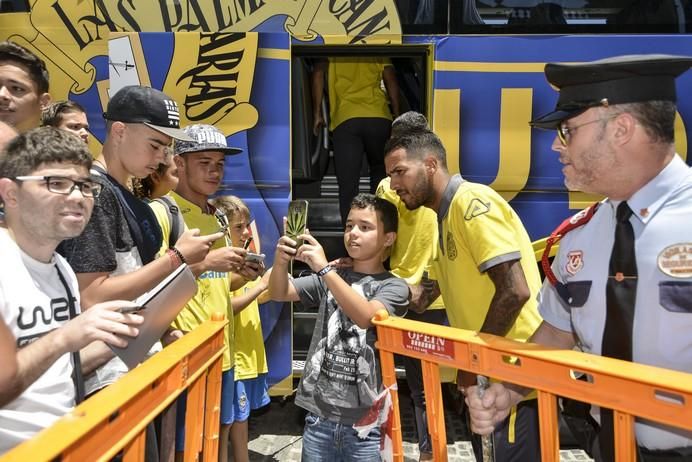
{"x": 423, "y": 294}
{"x": 511, "y": 293}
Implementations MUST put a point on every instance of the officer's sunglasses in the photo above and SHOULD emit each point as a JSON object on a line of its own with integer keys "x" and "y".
{"x": 564, "y": 133}
{"x": 64, "y": 185}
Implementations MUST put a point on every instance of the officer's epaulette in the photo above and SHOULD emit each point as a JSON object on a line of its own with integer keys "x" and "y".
{"x": 575, "y": 221}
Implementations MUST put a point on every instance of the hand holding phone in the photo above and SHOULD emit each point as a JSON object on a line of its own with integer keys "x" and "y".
{"x": 297, "y": 220}
{"x": 132, "y": 309}
{"x": 255, "y": 257}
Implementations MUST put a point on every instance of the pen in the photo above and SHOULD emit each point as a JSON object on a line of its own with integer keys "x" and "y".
{"x": 247, "y": 243}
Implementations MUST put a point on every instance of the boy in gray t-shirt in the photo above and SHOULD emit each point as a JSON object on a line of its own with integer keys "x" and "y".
{"x": 342, "y": 372}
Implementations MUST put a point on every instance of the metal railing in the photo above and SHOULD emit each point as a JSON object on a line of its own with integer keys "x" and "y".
{"x": 631, "y": 390}
{"x": 115, "y": 419}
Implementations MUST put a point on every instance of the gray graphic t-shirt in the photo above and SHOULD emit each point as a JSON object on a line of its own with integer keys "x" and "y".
{"x": 342, "y": 372}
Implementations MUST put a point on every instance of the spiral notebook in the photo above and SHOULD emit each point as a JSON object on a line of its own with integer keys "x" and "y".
{"x": 162, "y": 304}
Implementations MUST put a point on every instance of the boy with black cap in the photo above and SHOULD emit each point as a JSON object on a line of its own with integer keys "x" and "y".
{"x": 615, "y": 136}
{"x": 115, "y": 256}
{"x": 200, "y": 162}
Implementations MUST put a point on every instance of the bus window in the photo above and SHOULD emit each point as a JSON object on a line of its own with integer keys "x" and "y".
{"x": 14, "y": 6}
{"x": 423, "y": 16}
{"x": 569, "y": 16}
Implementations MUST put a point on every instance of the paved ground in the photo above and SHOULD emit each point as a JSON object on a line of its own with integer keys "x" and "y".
{"x": 275, "y": 434}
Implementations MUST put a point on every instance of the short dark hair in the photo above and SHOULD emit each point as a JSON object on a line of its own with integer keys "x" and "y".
{"x": 409, "y": 121}
{"x": 657, "y": 118}
{"x": 53, "y": 114}
{"x": 417, "y": 143}
{"x": 10, "y": 51}
{"x": 385, "y": 210}
{"x": 43, "y": 145}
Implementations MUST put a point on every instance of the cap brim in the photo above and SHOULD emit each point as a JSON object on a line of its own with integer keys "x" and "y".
{"x": 176, "y": 133}
{"x": 226, "y": 151}
{"x": 552, "y": 120}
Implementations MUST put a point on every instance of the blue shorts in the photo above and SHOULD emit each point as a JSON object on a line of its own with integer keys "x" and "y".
{"x": 226, "y": 409}
{"x": 249, "y": 394}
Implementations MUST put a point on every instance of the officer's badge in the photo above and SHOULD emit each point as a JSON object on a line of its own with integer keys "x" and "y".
{"x": 676, "y": 260}
{"x": 476, "y": 208}
{"x": 451, "y": 247}
{"x": 575, "y": 262}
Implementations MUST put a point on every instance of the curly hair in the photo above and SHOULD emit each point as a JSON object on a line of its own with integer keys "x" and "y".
{"x": 43, "y": 145}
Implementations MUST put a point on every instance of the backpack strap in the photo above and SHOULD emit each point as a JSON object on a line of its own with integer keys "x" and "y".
{"x": 575, "y": 221}
{"x": 175, "y": 219}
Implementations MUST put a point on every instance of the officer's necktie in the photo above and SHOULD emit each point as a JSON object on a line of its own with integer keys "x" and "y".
{"x": 621, "y": 292}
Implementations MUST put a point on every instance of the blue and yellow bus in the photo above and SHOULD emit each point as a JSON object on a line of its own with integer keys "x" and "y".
{"x": 475, "y": 68}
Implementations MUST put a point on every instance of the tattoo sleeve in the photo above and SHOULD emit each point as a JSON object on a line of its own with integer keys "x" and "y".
{"x": 511, "y": 293}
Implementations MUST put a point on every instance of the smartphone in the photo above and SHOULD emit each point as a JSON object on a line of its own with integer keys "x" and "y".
{"x": 297, "y": 220}
{"x": 254, "y": 257}
{"x": 132, "y": 309}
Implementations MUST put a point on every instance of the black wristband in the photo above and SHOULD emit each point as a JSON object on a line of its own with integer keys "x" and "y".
{"x": 325, "y": 270}
{"x": 179, "y": 255}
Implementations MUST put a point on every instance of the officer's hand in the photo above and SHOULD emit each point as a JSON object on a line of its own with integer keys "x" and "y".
{"x": 490, "y": 410}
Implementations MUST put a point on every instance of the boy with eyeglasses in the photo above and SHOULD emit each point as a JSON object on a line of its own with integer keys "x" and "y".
{"x": 48, "y": 196}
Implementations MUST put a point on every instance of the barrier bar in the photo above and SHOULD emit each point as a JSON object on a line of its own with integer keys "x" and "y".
{"x": 116, "y": 417}
{"x": 652, "y": 393}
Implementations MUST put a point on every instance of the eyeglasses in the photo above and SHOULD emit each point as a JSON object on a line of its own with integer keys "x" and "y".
{"x": 564, "y": 133}
{"x": 64, "y": 185}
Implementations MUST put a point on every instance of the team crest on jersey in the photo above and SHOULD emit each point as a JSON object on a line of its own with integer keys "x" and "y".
{"x": 676, "y": 260}
{"x": 451, "y": 247}
{"x": 575, "y": 262}
{"x": 476, "y": 208}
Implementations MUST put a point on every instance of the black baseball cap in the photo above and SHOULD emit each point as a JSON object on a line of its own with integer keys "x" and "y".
{"x": 616, "y": 80}
{"x": 149, "y": 106}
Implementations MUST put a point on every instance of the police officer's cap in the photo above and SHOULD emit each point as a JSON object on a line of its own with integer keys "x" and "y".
{"x": 617, "y": 80}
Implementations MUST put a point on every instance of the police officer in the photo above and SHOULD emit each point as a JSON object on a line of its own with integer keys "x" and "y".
{"x": 614, "y": 121}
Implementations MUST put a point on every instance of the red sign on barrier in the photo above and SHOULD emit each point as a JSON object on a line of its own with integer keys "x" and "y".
{"x": 428, "y": 344}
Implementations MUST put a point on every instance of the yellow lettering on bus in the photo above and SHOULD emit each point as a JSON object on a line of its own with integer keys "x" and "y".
{"x": 515, "y": 142}
{"x": 446, "y": 114}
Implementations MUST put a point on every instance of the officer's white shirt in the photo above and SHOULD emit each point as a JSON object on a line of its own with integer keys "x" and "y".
{"x": 662, "y": 222}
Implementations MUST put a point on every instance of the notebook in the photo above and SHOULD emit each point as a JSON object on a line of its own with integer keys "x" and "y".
{"x": 163, "y": 303}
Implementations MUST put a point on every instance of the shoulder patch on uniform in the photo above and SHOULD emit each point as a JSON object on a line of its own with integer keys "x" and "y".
{"x": 451, "y": 246}
{"x": 676, "y": 260}
{"x": 575, "y": 262}
{"x": 476, "y": 208}
{"x": 580, "y": 215}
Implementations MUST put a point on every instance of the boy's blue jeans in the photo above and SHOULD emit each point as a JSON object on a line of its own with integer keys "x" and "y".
{"x": 333, "y": 442}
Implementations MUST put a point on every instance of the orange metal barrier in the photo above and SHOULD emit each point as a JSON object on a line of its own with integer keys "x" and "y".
{"x": 629, "y": 389}
{"x": 115, "y": 418}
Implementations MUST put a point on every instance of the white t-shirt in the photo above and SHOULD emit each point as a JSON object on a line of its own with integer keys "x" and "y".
{"x": 33, "y": 302}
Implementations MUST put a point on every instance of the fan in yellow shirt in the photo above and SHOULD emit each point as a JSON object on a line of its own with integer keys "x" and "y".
{"x": 200, "y": 166}
{"x": 251, "y": 389}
